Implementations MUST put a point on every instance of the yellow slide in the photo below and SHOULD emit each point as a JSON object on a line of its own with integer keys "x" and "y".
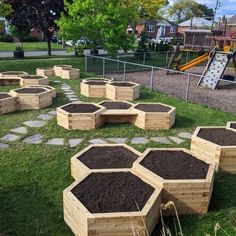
{"x": 194, "y": 62}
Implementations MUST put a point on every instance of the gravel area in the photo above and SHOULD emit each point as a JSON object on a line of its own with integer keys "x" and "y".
{"x": 175, "y": 85}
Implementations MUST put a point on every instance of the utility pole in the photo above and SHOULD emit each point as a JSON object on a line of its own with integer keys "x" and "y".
{"x": 218, "y": 4}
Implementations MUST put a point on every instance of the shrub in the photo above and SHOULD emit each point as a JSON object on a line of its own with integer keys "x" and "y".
{"x": 30, "y": 39}
{"x": 6, "y": 38}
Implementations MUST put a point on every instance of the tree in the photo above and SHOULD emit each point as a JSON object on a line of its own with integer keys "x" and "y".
{"x": 186, "y": 9}
{"x": 5, "y": 8}
{"x": 104, "y": 23}
{"x": 36, "y": 14}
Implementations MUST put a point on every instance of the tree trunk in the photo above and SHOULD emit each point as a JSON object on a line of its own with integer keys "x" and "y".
{"x": 49, "y": 37}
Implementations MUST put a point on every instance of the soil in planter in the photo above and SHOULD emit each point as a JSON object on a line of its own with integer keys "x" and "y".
{"x": 175, "y": 165}
{"x": 125, "y": 84}
{"x": 32, "y": 77}
{"x": 233, "y": 126}
{"x": 116, "y": 105}
{"x": 31, "y": 90}
{"x": 12, "y": 73}
{"x": 81, "y": 108}
{"x": 153, "y": 108}
{"x": 96, "y": 82}
{"x": 220, "y": 136}
{"x": 3, "y": 96}
{"x": 108, "y": 158}
{"x": 113, "y": 192}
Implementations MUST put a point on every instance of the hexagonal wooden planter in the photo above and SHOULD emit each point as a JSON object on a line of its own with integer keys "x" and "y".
{"x": 45, "y": 71}
{"x": 28, "y": 80}
{"x": 103, "y": 157}
{"x": 231, "y": 125}
{"x": 118, "y": 112}
{"x": 11, "y": 77}
{"x": 191, "y": 192}
{"x": 32, "y": 98}
{"x": 7, "y": 103}
{"x": 93, "y": 88}
{"x": 70, "y": 73}
{"x": 50, "y": 88}
{"x": 224, "y": 155}
{"x": 124, "y": 91}
{"x": 154, "y": 116}
{"x": 58, "y": 69}
{"x": 84, "y": 220}
{"x": 80, "y": 116}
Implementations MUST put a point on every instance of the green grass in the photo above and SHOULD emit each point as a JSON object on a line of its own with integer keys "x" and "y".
{"x": 28, "y": 46}
{"x": 33, "y": 176}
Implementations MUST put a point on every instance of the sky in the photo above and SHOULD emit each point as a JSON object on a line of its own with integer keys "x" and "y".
{"x": 227, "y": 7}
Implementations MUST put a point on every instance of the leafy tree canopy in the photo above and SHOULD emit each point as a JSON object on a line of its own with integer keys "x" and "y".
{"x": 5, "y": 8}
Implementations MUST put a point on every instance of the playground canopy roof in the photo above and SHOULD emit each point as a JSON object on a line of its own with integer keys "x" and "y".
{"x": 197, "y": 22}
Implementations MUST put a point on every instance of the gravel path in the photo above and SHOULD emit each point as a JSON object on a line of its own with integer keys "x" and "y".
{"x": 223, "y": 98}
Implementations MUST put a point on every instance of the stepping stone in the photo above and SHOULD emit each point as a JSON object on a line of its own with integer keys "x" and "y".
{"x": 70, "y": 93}
{"x": 19, "y": 130}
{"x": 3, "y": 146}
{"x": 56, "y": 81}
{"x": 72, "y": 96}
{"x": 74, "y": 142}
{"x": 35, "y": 123}
{"x": 177, "y": 140}
{"x": 185, "y": 135}
{"x": 117, "y": 140}
{"x": 56, "y": 141}
{"x": 52, "y": 113}
{"x": 34, "y": 139}
{"x": 98, "y": 141}
{"x": 45, "y": 117}
{"x": 9, "y": 138}
{"x": 74, "y": 99}
{"x": 162, "y": 140}
{"x": 139, "y": 140}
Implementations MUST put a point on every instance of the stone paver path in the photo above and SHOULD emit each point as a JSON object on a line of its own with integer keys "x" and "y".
{"x": 176, "y": 140}
{"x": 9, "y": 138}
{"x": 98, "y": 141}
{"x": 19, "y": 130}
{"x": 52, "y": 113}
{"x": 74, "y": 142}
{"x": 185, "y": 135}
{"x": 56, "y": 141}
{"x": 141, "y": 140}
{"x": 45, "y": 117}
{"x": 34, "y": 139}
{"x": 162, "y": 140}
{"x": 117, "y": 140}
{"x": 35, "y": 123}
{"x": 3, "y": 146}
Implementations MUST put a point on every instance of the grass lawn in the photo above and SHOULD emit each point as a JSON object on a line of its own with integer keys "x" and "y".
{"x": 34, "y": 176}
{"x": 28, "y": 46}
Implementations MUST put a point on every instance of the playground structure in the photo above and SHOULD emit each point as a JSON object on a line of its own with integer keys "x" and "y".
{"x": 212, "y": 47}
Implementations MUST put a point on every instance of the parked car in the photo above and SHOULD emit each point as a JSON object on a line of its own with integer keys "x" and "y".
{"x": 83, "y": 41}
{"x": 69, "y": 43}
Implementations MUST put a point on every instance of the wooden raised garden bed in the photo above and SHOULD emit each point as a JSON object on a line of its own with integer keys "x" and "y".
{"x": 132, "y": 209}
{"x": 93, "y": 88}
{"x": 45, "y": 71}
{"x": 96, "y": 158}
{"x": 154, "y": 116}
{"x": 80, "y": 116}
{"x": 187, "y": 180}
{"x": 217, "y": 144}
{"x": 11, "y": 77}
{"x": 124, "y": 91}
{"x": 7, "y": 103}
{"x": 50, "y": 88}
{"x": 58, "y": 69}
{"x": 32, "y": 98}
{"x": 231, "y": 125}
{"x": 28, "y": 80}
{"x": 70, "y": 73}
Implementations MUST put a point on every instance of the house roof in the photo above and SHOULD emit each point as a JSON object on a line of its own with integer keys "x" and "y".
{"x": 232, "y": 20}
{"x": 166, "y": 23}
{"x": 196, "y": 22}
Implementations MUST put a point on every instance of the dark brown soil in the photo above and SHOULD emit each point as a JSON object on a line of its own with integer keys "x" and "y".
{"x": 81, "y": 108}
{"x": 125, "y": 84}
{"x": 233, "y": 125}
{"x": 108, "y": 158}
{"x": 33, "y": 77}
{"x": 116, "y": 105}
{"x": 175, "y": 165}
{"x": 12, "y": 73}
{"x": 220, "y": 136}
{"x": 31, "y": 90}
{"x": 96, "y": 82}
{"x": 153, "y": 108}
{"x": 3, "y": 95}
{"x": 113, "y": 192}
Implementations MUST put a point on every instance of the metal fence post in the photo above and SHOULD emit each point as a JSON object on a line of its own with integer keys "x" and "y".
{"x": 103, "y": 67}
{"x": 86, "y": 63}
{"x": 151, "y": 82}
{"x": 187, "y": 88}
{"x": 124, "y": 71}
{"x": 118, "y": 63}
{"x": 144, "y": 58}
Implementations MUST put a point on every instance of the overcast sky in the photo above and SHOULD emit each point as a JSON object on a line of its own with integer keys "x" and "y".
{"x": 228, "y": 7}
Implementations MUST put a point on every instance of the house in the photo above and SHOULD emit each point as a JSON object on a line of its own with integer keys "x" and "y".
{"x": 158, "y": 29}
{"x": 4, "y": 26}
{"x": 229, "y": 26}
{"x": 194, "y": 23}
